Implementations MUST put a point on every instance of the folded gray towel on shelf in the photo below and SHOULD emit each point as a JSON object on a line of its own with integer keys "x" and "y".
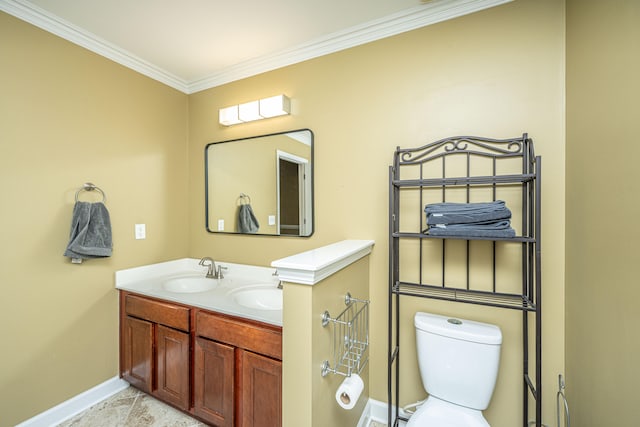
{"x": 90, "y": 235}
{"x": 465, "y": 207}
{"x": 478, "y": 225}
{"x": 247, "y": 222}
{"x": 480, "y": 229}
{"x": 464, "y": 213}
{"x": 472, "y": 232}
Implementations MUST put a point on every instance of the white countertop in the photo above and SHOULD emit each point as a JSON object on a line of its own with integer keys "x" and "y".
{"x": 306, "y": 268}
{"x": 309, "y": 268}
{"x": 148, "y": 280}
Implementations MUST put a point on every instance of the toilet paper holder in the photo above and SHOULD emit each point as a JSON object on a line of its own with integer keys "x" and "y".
{"x": 350, "y": 338}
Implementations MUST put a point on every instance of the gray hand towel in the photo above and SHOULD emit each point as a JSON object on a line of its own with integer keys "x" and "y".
{"x": 464, "y": 213}
{"x": 90, "y": 235}
{"x": 471, "y": 232}
{"x": 477, "y": 229}
{"x": 247, "y": 222}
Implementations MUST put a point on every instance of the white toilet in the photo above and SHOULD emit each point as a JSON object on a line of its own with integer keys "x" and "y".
{"x": 458, "y": 362}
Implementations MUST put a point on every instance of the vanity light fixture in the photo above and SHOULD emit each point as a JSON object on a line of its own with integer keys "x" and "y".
{"x": 273, "y": 106}
{"x": 229, "y": 116}
{"x": 249, "y": 111}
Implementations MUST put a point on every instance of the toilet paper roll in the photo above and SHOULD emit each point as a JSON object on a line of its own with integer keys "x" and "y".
{"x": 349, "y": 391}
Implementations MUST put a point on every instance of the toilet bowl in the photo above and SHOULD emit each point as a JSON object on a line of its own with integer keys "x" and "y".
{"x": 458, "y": 361}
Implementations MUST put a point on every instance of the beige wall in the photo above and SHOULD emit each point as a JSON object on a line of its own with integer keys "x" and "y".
{"x": 68, "y": 116}
{"x": 603, "y": 88}
{"x": 495, "y": 73}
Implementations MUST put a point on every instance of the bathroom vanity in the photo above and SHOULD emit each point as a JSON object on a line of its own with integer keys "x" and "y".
{"x": 206, "y": 352}
{"x": 237, "y": 358}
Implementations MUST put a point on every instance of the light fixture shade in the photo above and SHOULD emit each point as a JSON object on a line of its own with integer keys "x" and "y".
{"x": 249, "y": 111}
{"x": 278, "y": 105}
{"x": 229, "y": 116}
{"x": 273, "y": 106}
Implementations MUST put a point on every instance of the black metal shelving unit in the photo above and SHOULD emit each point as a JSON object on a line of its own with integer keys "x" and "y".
{"x": 467, "y": 169}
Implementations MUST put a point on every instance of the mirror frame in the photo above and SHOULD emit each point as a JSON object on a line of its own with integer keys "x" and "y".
{"x": 208, "y": 223}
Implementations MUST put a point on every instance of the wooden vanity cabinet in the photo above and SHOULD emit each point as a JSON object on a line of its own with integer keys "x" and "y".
{"x": 172, "y": 373}
{"x": 261, "y": 396}
{"x": 154, "y": 348}
{"x": 214, "y": 382}
{"x": 238, "y": 371}
{"x": 136, "y": 352}
{"x": 225, "y": 370}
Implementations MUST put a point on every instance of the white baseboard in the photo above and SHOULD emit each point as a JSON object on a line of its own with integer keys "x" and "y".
{"x": 373, "y": 411}
{"x": 376, "y": 411}
{"x": 77, "y": 404}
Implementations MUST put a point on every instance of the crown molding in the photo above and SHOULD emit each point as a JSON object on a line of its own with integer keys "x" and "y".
{"x": 407, "y": 20}
{"x": 42, "y": 19}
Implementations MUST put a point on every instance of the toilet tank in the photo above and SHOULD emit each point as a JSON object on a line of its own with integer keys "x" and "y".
{"x": 458, "y": 359}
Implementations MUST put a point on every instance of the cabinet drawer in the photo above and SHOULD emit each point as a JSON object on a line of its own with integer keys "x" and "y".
{"x": 259, "y": 338}
{"x": 167, "y": 314}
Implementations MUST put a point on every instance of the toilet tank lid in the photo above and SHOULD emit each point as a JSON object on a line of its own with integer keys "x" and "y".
{"x": 466, "y": 330}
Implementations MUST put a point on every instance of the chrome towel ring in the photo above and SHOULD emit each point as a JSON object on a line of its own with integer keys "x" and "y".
{"x": 244, "y": 199}
{"x": 88, "y": 186}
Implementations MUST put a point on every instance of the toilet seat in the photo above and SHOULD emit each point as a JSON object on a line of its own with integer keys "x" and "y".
{"x": 439, "y": 413}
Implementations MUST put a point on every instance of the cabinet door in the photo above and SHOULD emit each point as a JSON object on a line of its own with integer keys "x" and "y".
{"x": 261, "y": 391}
{"x": 213, "y": 382}
{"x": 137, "y": 344}
{"x": 173, "y": 366}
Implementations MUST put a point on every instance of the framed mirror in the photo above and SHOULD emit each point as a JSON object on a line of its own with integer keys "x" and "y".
{"x": 261, "y": 185}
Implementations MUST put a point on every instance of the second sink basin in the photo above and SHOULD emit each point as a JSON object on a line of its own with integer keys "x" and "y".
{"x": 189, "y": 284}
{"x": 260, "y": 297}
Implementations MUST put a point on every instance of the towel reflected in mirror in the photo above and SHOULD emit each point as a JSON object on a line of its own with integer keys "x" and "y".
{"x": 247, "y": 221}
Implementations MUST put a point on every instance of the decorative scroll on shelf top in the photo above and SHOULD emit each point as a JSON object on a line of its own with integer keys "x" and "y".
{"x": 486, "y": 147}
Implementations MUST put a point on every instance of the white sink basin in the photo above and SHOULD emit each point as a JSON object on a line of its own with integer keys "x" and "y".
{"x": 260, "y": 298}
{"x": 189, "y": 284}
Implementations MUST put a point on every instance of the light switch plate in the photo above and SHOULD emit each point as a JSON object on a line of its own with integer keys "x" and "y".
{"x": 141, "y": 231}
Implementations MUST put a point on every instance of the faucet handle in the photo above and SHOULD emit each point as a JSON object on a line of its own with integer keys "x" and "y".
{"x": 219, "y": 271}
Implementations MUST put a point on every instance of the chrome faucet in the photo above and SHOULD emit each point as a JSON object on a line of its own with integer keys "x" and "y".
{"x": 219, "y": 271}
{"x": 212, "y": 271}
{"x": 275, "y": 273}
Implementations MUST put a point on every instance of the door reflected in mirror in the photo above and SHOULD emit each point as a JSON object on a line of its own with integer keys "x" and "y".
{"x": 261, "y": 185}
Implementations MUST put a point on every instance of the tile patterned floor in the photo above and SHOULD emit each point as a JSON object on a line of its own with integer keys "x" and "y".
{"x": 133, "y": 408}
